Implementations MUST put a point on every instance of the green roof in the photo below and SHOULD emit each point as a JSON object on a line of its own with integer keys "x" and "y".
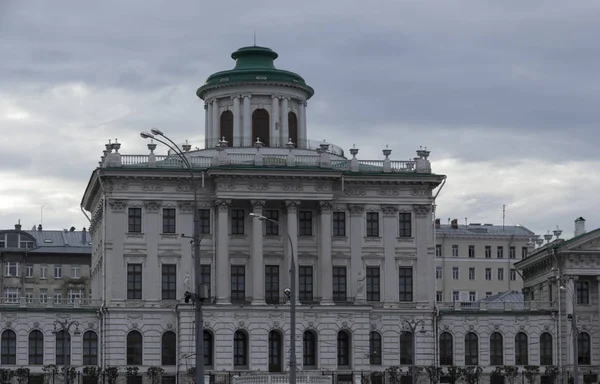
{"x": 254, "y": 65}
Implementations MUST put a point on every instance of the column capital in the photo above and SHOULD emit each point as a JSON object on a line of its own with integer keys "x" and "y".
{"x": 292, "y": 205}
{"x": 389, "y": 210}
{"x": 152, "y": 206}
{"x": 222, "y": 205}
{"x": 571, "y": 277}
{"x": 356, "y": 209}
{"x": 325, "y": 206}
{"x": 249, "y": 96}
{"x": 257, "y": 206}
{"x": 214, "y": 101}
{"x": 421, "y": 210}
{"x": 275, "y": 96}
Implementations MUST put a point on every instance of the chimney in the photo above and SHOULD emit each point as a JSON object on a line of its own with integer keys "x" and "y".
{"x": 454, "y": 224}
{"x": 39, "y": 228}
{"x": 83, "y": 236}
{"x": 18, "y": 226}
{"x": 437, "y": 223}
{"x": 579, "y": 226}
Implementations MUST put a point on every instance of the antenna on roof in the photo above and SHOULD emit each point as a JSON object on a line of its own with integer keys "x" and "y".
{"x": 503, "y": 215}
{"x": 42, "y": 215}
{"x": 255, "y": 38}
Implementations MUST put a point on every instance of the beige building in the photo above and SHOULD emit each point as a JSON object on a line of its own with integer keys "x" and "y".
{"x": 475, "y": 261}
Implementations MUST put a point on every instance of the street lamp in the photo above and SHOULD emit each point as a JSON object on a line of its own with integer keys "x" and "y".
{"x": 65, "y": 326}
{"x": 412, "y": 326}
{"x": 201, "y": 294}
{"x": 292, "y": 296}
{"x": 574, "y": 329}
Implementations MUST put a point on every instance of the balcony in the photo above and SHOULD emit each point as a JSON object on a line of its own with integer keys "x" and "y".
{"x": 499, "y": 306}
{"x": 22, "y": 302}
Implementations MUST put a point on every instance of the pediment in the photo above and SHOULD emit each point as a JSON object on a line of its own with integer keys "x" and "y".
{"x": 587, "y": 242}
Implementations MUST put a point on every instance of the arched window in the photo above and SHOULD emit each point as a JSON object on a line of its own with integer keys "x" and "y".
{"x": 344, "y": 343}
{"x": 521, "y": 353}
{"x": 260, "y": 126}
{"x": 546, "y": 349}
{"x": 226, "y": 126}
{"x": 446, "y": 349}
{"x": 36, "y": 348}
{"x": 9, "y": 347}
{"x": 293, "y": 128}
{"x": 584, "y": 349}
{"x": 275, "y": 349}
{"x": 63, "y": 348}
{"x": 309, "y": 349}
{"x": 169, "y": 348}
{"x": 240, "y": 349}
{"x": 135, "y": 348}
{"x": 208, "y": 349}
{"x": 90, "y": 348}
{"x": 496, "y": 349}
{"x": 471, "y": 349}
{"x": 406, "y": 348}
{"x": 375, "y": 348}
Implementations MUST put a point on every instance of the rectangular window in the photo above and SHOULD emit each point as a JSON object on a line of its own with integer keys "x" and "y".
{"x": 454, "y": 250}
{"x": 471, "y": 251}
{"x": 57, "y": 296}
{"x": 488, "y": 273}
{"x": 439, "y": 273}
{"x": 272, "y": 284}
{"x": 169, "y": 220}
{"x": 472, "y": 296}
{"x": 169, "y": 282}
{"x": 305, "y": 223}
{"x": 339, "y": 224}
{"x": 58, "y": 272}
{"x": 25, "y": 244}
{"x": 523, "y": 252}
{"x": 11, "y": 295}
{"x": 513, "y": 274}
{"x": 583, "y": 292}
{"x": 439, "y": 296}
{"x": 372, "y": 224}
{"x": 455, "y": 273}
{"x": 271, "y": 228}
{"x": 29, "y": 295}
{"x": 488, "y": 294}
{"x": 134, "y": 281}
{"x": 405, "y": 279}
{"x": 238, "y": 283}
{"x": 205, "y": 279}
{"x": 3, "y": 243}
{"x": 471, "y": 273}
{"x": 135, "y": 220}
{"x": 306, "y": 284}
{"x": 74, "y": 294}
{"x": 43, "y": 272}
{"x": 238, "y": 218}
{"x": 75, "y": 271}
{"x": 500, "y": 274}
{"x": 512, "y": 253}
{"x": 455, "y": 296}
{"x": 11, "y": 269}
{"x": 204, "y": 218}
{"x": 373, "y": 284}
{"x": 500, "y": 252}
{"x": 438, "y": 250}
{"x": 405, "y": 225}
{"x": 43, "y": 295}
{"x": 488, "y": 251}
{"x": 339, "y": 284}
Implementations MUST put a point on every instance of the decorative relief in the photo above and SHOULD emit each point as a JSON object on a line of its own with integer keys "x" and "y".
{"x": 117, "y": 205}
{"x": 325, "y": 206}
{"x": 186, "y": 207}
{"x": 258, "y": 186}
{"x": 389, "y": 210}
{"x": 225, "y": 186}
{"x": 356, "y": 209}
{"x": 292, "y": 187}
{"x": 419, "y": 192}
{"x": 117, "y": 187}
{"x": 257, "y": 206}
{"x": 152, "y": 206}
{"x": 421, "y": 210}
{"x": 276, "y": 324}
{"x": 152, "y": 187}
{"x": 389, "y": 192}
{"x": 355, "y": 191}
{"x": 169, "y": 325}
{"x": 222, "y": 205}
{"x": 134, "y": 325}
{"x": 323, "y": 187}
{"x": 311, "y": 323}
{"x": 228, "y": 102}
{"x": 183, "y": 186}
{"x": 261, "y": 100}
{"x": 241, "y": 323}
{"x": 37, "y": 324}
{"x": 345, "y": 324}
{"x": 292, "y": 205}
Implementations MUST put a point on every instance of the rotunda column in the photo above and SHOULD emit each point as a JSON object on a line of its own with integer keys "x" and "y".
{"x": 247, "y": 121}
{"x": 285, "y": 129}
{"x": 303, "y": 140}
{"x": 206, "y": 128}
{"x": 237, "y": 134}
{"x": 215, "y": 123}
{"x": 275, "y": 118}
{"x": 209, "y": 132}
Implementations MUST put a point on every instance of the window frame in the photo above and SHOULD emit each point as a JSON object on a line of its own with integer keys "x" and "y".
{"x": 271, "y": 228}
{"x": 169, "y": 281}
{"x": 238, "y": 277}
{"x": 375, "y": 348}
{"x": 134, "y": 348}
{"x": 372, "y": 224}
{"x": 521, "y": 349}
{"x": 496, "y": 349}
{"x": 134, "y": 281}
{"x": 62, "y": 355}
{"x": 204, "y": 221}
{"x": 546, "y": 349}
{"x": 272, "y": 282}
{"x": 405, "y": 284}
{"x": 90, "y": 348}
{"x": 305, "y": 223}
{"x": 373, "y": 283}
{"x": 405, "y": 225}
{"x": 471, "y": 349}
{"x": 169, "y": 220}
{"x": 134, "y": 220}
{"x": 35, "y": 347}
{"x": 305, "y": 283}
{"x": 340, "y": 283}
{"x": 240, "y": 349}
{"x": 8, "y": 347}
{"x": 446, "y": 349}
{"x": 344, "y": 349}
{"x": 406, "y": 348}
{"x": 338, "y": 228}
{"x": 238, "y": 221}
{"x": 309, "y": 349}
{"x": 582, "y": 292}
{"x": 168, "y": 348}
{"x": 471, "y": 251}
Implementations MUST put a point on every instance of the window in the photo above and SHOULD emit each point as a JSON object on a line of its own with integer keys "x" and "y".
{"x": 90, "y": 348}
{"x": 237, "y": 221}
{"x": 471, "y": 273}
{"x": 455, "y": 273}
{"x": 523, "y": 252}
{"x": 372, "y": 224}
{"x": 293, "y": 127}
{"x": 261, "y": 126}
{"x": 583, "y": 292}
{"x": 11, "y": 269}
{"x": 305, "y": 223}
{"x": 29, "y": 295}
{"x": 26, "y": 244}
{"x": 208, "y": 349}
{"x": 74, "y": 294}
{"x": 584, "y": 350}
{"x": 439, "y": 296}
{"x": 471, "y": 251}
{"x": 75, "y": 271}
{"x": 305, "y": 284}
{"x": 271, "y": 228}
{"x": 169, "y": 282}
{"x": 43, "y": 272}
{"x": 454, "y": 250}
{"x": 36, "y": 348}
{"x": 135, "y": 348}
{"x": 488, "y": 294}
{"x": 446, "y": 353}
{"x": 339, "y": 284}
{"x": 168, "y": 220}
{"x": 339, "y": 224}
{"x": 405, "y": 279}
{"x": 406, "y": 348}
{"x": 226, "y": 127}
{"x": 43, "y": 295}
{"x": 11, "y": 295}
{"x": 521, "y": 347}
{"x": 58, "y": 272}
{"x": 512, "y": 253}
{"x": 471, "y": 349}
{"x": 488, "y": 273}
{"x": 309, "y": 349}
{"x": 135, "y": 220}
{"x": 275, "y": 355}
{"x": 488, "y": 251}
{"x": 455, "y": 296}
{"x": 205, "y": 278}
{"x": 8, "y": 347}
{"x": 57, "y": 296}
{"x": 240, "y": 349}
{"x": 272, "y": 284}
{"x": 496, "y": 349}
{"x": 500, "y": 274}
{"x": 439, "y": 273}
{"x": 546, "y": 349}
{"x": 169, "y": 348}
{"x": 513, "y": 274}
{"x": 438, "y": 250}
{"x": 238, "y": 283}
{"x": 373, "y": 284}
{"x": 29, "y": 271}
{"x": 204, "y": 219}
{"x": 63, "y": 348}
{"x": 2, "y": 243}
{"x": 343, "y": 349}
{"x": 500, "y": 253}
{"x": 472, "y": 296}
{"x": 405, "y": 225}
{"x": 134, "y": 281}
{"x": 375, "y": 348}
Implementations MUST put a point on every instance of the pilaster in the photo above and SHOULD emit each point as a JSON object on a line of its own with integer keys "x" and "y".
{"x": 247, "y": 122}
{"x": 356, "y": 244}
{"x": 326, "y": 270}
{"x": 390, "y": 269}
{"x": 292, "y": 230}
{"x": 222, "y": 273}
{"x": 422, "y": 287}
{"x": 258, "y": 277}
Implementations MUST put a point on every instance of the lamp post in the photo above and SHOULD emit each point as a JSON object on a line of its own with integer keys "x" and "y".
{"x": 65, "y": 327}
{"x": 292, "y": 296}
{"x": 561, "y": 280}
{"x": 412, "y": 326}
{"x": 200, "y": 295}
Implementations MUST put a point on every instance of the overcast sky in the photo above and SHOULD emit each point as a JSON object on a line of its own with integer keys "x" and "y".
{"x": 504, "y": 94}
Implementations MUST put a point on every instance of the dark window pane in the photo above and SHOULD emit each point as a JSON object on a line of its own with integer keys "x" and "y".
{"x": 134, "y": 281}
{"x": 521, "y": 349}
{"x": 238, "y": 283}
{"x": 471, "y": 349}
{"x": 271, "y": 228}
{"x": 208, "y": 349}
{"x": 305, "y": 223}
{"x": 240, "y": 349}
{"x": 406, "y": 284}
{"x": 309, "y": 348}
{"x": 372, "y": 224}
{"x": 339, "y": 284}
{"x": 496, "y": 349}
{"x": 343, "y": 349}
{"x": 405, "y": 225}
{"x": 272, "y": 284}
{"x": 205, "y": 278}
{"x": 238, "y": 218}
{"x": 169, "y": 282}
{"x": 169, "y": 220}
{"x": 169, "y": 348}
{"x": 546, "y": 349}
{"x": 135, "y": 220}
{"x": 204, "y": 221}
{"x": 134, "y": 348}
{"x": 9, "y": 347}
{"x": 406, "y": 348}
{"x": 305, "y": 284}
{"x": 373, "y": 284}
{"x": 446, "y": 349}
{"x": 36, "y": 348}
{"x": 90, "y": 348}
{"x": 339, "y": 224}
{"x": 375, "y": 348}
{"x": 63, "y": 348}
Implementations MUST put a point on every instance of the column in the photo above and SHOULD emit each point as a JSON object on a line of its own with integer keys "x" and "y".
{"x": 569, "y": 305}
{"x": 423, "y": 291}
{"x": 216, "y": 123}
{"x": 302, "y": 123}
{"x": 356, "y": 244}
{"x": 209, "y": 133}
{"x": 326, "y": 269}
{"x": 206, "y": 128}
{"x": 285, "y": 131}
{"x": 598, "y": 279}
{"x": 390, "y": 268}
{"x": 292, "y": 230}
{"x": 258, "y": 267}
{"x": 237, "y": 134}
{"x": 247, "y": 121}
{"x": 275, "y": 126}
{"x": 222, "y": 272}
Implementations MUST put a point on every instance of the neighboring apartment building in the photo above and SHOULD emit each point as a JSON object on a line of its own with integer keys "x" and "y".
{"x": 476, "y": 261}
{"x": 44, "y": 268}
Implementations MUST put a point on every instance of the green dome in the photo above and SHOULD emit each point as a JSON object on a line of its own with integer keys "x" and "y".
{"x": 254, "y": 65}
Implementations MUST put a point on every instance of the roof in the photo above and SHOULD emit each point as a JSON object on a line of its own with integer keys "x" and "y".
{"x": 483, "y": 230}
{"x": 254, "y": 64}
{"x": 510, "y": 296}
{"x": 55, "y": 241}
